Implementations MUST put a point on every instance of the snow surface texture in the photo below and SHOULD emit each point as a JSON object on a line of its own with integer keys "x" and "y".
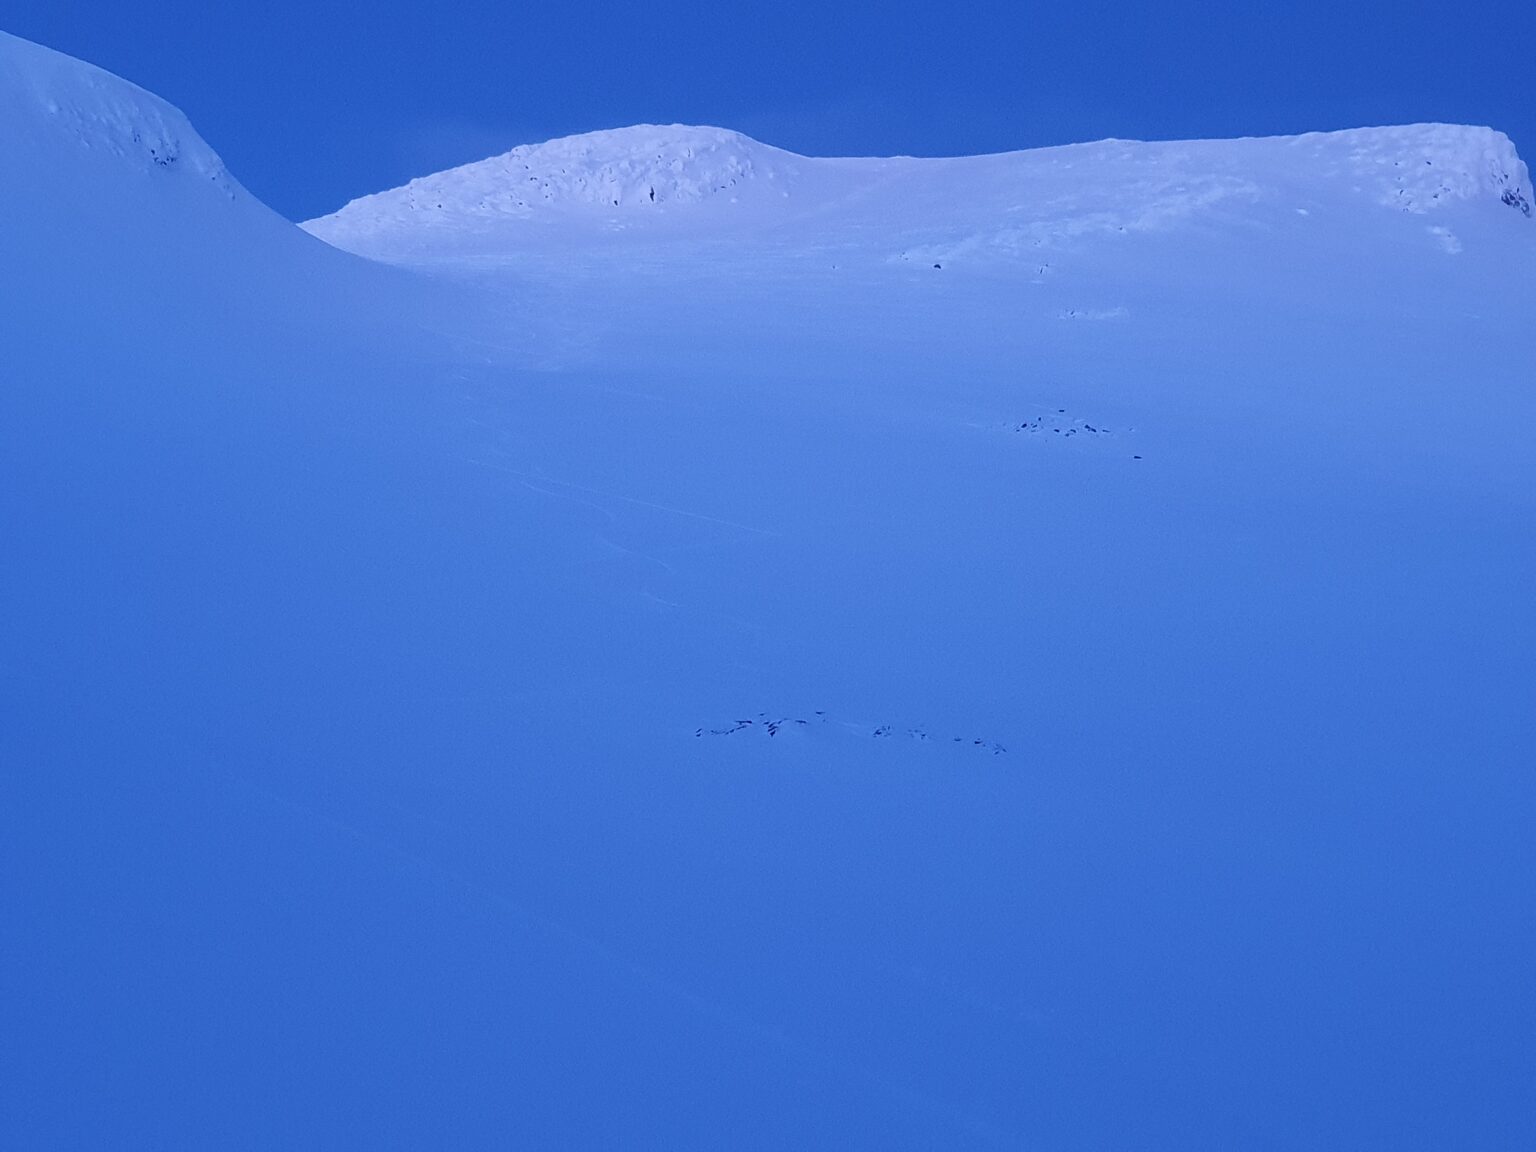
{"x": 644, "y": 166}
{"x": 403, "y": 665}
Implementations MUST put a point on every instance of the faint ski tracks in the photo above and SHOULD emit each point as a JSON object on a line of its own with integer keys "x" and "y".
{"x": 534, "y": 481}
{"x": 720, "y": 1011}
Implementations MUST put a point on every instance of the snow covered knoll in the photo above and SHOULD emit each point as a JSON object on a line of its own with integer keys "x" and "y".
{"x": 1025, "y": 651}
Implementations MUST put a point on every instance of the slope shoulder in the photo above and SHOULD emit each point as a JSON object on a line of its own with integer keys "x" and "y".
{"x": 48, "y": 99}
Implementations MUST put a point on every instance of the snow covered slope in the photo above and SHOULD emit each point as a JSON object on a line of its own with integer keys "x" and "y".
{"x": 1010, "y": 651}
{"x": 617, "y": 237}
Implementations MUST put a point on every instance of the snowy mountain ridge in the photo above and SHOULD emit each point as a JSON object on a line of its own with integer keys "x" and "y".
{"x": 1423, "y": 166}
{"x": 45, "y": 93}
{"x": 631, "y": 177}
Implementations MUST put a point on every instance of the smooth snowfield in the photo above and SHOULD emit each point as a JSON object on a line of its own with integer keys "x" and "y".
{"x": 405, "y": 657}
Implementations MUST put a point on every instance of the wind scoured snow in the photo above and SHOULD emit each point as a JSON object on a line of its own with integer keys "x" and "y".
{"x": 45, "y": 96}
{"x": 641, "y": 167}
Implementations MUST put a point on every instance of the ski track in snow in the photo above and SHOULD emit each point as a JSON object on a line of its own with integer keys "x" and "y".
{"x": 533, "y": 481}
{"x": 624, "y": 963}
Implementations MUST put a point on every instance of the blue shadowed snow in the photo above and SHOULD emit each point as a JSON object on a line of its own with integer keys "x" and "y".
{"x": 1152, "y": 579}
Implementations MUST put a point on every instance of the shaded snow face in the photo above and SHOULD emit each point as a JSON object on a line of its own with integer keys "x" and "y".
{"x": 405, "y": 668}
